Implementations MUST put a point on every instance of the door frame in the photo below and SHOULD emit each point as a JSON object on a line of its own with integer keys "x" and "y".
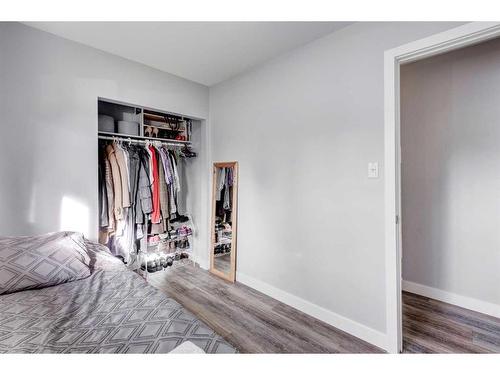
{"x": 459, "y": 37}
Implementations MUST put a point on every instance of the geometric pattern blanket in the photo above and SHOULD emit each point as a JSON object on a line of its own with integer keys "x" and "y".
{"x": 112, "y": 311}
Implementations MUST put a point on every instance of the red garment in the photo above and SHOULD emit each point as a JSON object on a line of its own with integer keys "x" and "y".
{"x": 156, "y": 214}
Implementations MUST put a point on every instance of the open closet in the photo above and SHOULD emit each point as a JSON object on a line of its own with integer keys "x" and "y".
{"x": 149, "y": 185}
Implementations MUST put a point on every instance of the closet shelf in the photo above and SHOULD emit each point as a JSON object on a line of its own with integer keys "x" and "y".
{"x": 126, "y": 136}
{"x": 175, "y": 237}
{"x": 154, "y": 250}
{"x": 148, "y": 115}
{"x": 177, "y": 263}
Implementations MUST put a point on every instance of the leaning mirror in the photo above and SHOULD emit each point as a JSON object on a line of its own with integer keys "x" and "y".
{"x": 224, "y": 220}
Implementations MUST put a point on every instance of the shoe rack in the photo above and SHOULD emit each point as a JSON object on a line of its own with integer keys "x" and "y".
{"x": 154, "y": 252}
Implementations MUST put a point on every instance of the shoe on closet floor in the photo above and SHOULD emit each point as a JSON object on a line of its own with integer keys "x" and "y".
{"x": 179, "y": 219}
{"x": 151, "y": 266}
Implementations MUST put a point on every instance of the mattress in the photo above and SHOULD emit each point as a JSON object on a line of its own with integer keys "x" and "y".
{"x": 112, "y": 311}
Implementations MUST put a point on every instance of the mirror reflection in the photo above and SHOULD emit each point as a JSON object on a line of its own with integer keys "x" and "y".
{"x": 223, "y": 220}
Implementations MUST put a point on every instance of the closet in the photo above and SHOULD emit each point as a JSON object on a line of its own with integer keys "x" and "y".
{"x": 149, "y": 185}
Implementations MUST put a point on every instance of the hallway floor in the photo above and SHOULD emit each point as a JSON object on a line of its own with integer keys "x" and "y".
{"x": 431, "y": 326}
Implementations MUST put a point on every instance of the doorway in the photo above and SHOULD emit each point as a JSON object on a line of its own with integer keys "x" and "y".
{"x": 450, "y": 200}
{"x": 467, "y": 35}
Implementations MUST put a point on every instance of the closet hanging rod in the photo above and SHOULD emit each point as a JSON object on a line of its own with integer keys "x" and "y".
{"x": 144, "y": 141}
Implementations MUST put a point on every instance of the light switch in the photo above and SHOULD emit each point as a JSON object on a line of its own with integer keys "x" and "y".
{"x": 373, "y": 170}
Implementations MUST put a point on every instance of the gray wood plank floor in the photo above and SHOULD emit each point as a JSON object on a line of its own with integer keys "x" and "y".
{"x": 256, "y": 323}
{"x": 250, "y": 320}
{"x": 431, "y": 326}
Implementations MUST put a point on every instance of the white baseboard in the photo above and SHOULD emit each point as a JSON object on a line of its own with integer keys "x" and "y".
{"x": 202, "y": 262}
{"x": 359, "y": 330}
{"x": 452, "y": 298}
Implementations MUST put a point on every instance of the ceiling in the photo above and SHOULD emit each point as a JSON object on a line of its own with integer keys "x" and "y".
{"x": 204, "y": 52}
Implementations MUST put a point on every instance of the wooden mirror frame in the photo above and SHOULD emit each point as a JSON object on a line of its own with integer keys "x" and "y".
{"x": 231, "y": 277}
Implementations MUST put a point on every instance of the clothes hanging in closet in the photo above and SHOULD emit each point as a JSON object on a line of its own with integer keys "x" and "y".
{"x": 155, "y": 215}
{"x": 137, "y": 184}
{"x": 223, "y": 193}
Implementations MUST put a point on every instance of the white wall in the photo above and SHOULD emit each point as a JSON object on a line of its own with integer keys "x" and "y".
{"x": 196, "y": 182}
{"x": 48, "y": 101}
{"x": 450, "y": 122}
{"x": 304, "y": 127}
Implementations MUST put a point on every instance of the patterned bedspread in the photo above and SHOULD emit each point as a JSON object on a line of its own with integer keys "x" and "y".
{"x": 112, "y": 311}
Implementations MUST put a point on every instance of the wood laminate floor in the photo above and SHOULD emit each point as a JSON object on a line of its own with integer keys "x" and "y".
{"x": 250, "y": 320}
{"x": 256, "y": 323}
{"x": 431, "y": 326}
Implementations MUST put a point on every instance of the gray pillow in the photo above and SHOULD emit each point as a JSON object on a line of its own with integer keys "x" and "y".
{"x": 41, "y": 261}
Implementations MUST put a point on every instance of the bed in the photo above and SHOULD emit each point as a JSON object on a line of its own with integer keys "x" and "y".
{"x": 111, "y": 311}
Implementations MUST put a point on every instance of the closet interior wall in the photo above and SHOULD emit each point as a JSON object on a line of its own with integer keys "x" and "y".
{"x": 196, "y": 192}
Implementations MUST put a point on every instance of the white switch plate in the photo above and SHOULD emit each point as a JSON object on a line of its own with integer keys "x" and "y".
{"x": 373, "y": 170}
